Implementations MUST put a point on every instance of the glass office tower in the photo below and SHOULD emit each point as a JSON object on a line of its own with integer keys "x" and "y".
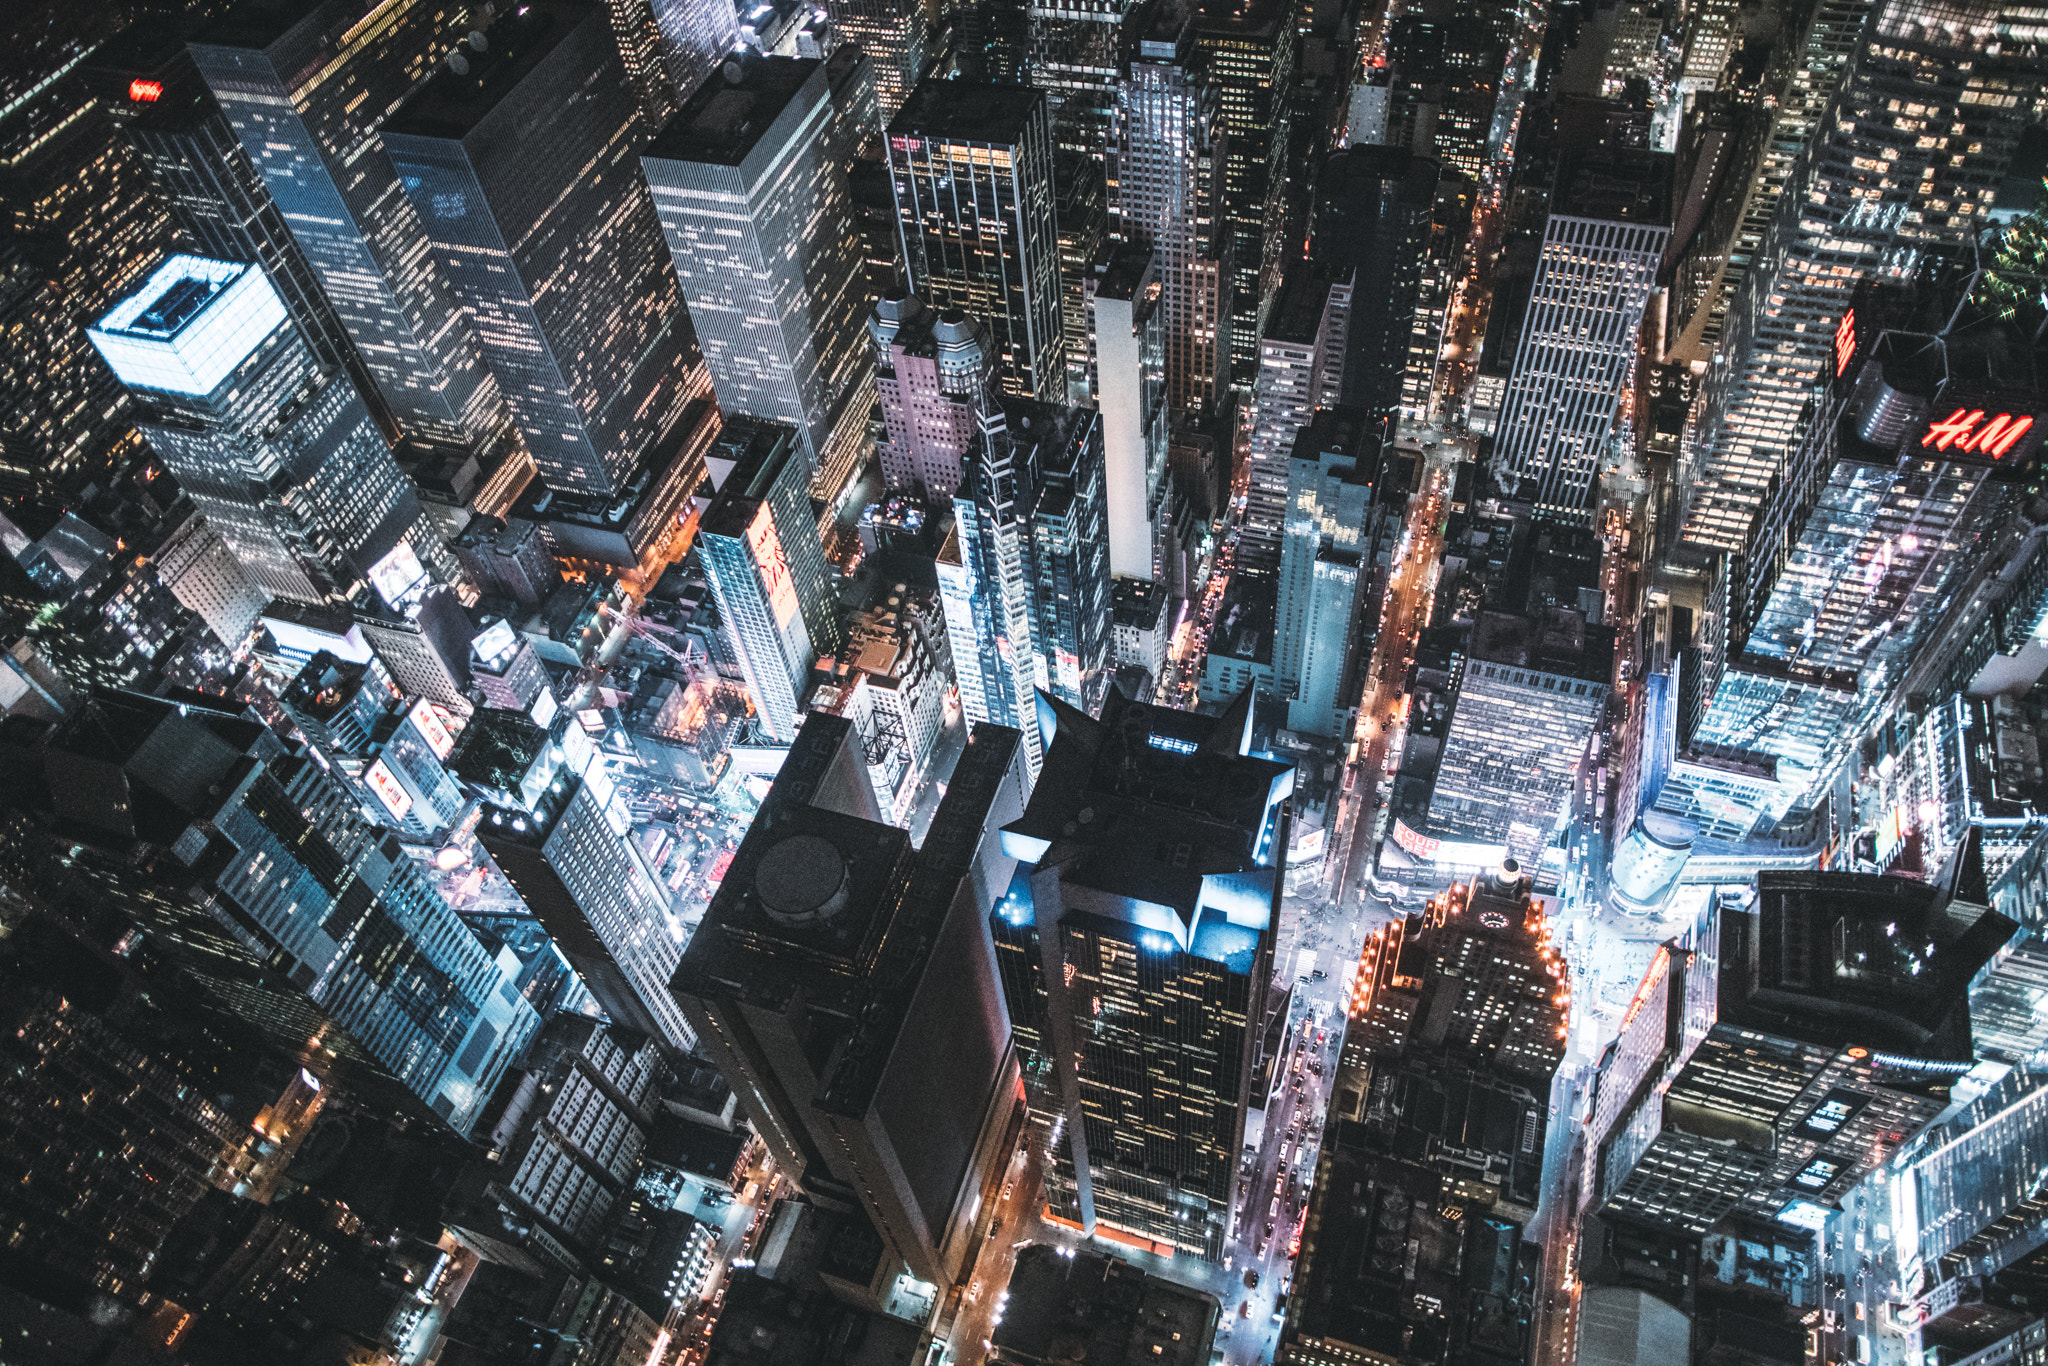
{"x": 279, "y": 453}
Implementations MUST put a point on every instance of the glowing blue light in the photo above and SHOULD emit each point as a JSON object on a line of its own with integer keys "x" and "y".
{"x": 1158, "y": 943}
{"x": 1171, "y": 744}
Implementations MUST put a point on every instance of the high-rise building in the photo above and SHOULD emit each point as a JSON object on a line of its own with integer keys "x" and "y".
{"x": 972, "y": 167}
{"x": 567, "y": 855}
{"x": 210, "y": 188}
{"x": 778, "y": 308}
{"x": 1738, "y": 151}
{"x": 935, "y": 374}
{"x": 550, "y": 243}
{"x": 1251, "y": 53}
{"x": 278, "y": 453}
{"x": 307, "y": 92}
{"x": 1844, "y": 217}
{"x": 1602, "y": 242}
{"x": 1025, "y": 574}
{"x": 1073, "y": 52}
{"x": 88, "y": 227}
{"x": 67, "y": 420}
{"x": 1166, "y": 180}
{"x": 897, "y": 36}
{"x": 1910, "y": 462}
{"x": 1081, "y": 208}
{"x": 1127, "y": 381}
{"x": 1533, "y": 692}
{"x": 254, "y": 865}
{"x": 197, "y": 563}
{"x": 759, "y": 543}
{"x": 1375, "y": 219}
{"x": 1818, "y": 1069}
{"x": 843, "y": 984}
{"x": 1136, "y": 947}
{"x": 1301, "y": 369}
{"x": 1336, "y": 510}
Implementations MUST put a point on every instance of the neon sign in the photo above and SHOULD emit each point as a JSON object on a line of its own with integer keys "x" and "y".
{"x": 1845, "y": 341}
{"x": 145, "y": 92}
{"x": 1968, "y": 429}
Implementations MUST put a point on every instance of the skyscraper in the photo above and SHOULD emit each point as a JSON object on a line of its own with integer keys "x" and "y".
{"x": 1025, "y": 574}
{"x": 1847, "y": 216}
{"x": 1334, "y": 517}
{"x": 972, "y": 167}
{"x": 568, "y": 857}
{"x": 1135, "y": 946}
{"x": 897, "y": 35}
{"x": 936, "y": 374}
{"x": 843, "y": 983}
{"x": 759, "y": 542}
{"x": 550, "y": 243}
{"x": 1602, "y": 242}
{"x": 67, "y": 419}
{"x": 1073, "y": 55}
{"x": 1166, "y": 190}
{"x": 778, "y": 308}
{"x": 307, "y": 93}
{"x": 1301, "y": 369}
{"x": 1375, "y": 219}
{"x": 165, "y": 111}
{"x": 1534, "y": 690}
{"x": 1911, "y": 460}
{"x": 1251, "y": 53}
{"x": 279, "y": 454}
{"x": 1127, "y": 377}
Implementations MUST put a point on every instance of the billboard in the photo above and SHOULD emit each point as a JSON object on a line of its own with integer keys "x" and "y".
{"x": 773, "y": 567}
{"x": 378, "y": 779}
{"x": 428, "y": 722}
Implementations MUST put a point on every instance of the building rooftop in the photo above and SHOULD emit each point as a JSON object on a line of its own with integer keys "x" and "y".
{"x": 810, "y": 893}
{"x": 1298, "y": 311}
{"x": 725, "y": 117}
{"x": 474, "y": 79}
{"x": 1621, "y": 184}
{"x": 189, "y": 326}
{"x": 1094, "y": 1308}
{"x": 1166, "y": 815}
{"x": 967, "y": 111}
{"x": 1123, "y": 272}
{"x": 756, "y": 452}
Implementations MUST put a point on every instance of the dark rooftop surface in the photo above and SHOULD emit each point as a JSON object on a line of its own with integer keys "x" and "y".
{"x": 724, "y": 117}
{"x": 1094, "y": 1308}
{"x": 967, "y": 111}
{"x": 456, "y": 99}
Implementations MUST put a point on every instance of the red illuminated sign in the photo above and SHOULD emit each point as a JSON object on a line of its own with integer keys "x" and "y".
{"x": 1969, "y": 429}
{"x": 145, "y": 92}
{"x": 1845, "y": 341}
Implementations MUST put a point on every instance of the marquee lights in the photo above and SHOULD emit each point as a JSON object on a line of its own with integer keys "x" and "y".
{"x": 145, "y": 92}
{"x": 1968, "y": 429}
{"x": 1845, "y": 341}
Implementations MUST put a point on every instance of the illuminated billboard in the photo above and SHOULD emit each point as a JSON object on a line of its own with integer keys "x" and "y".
{"x": 773, "y": 567}
{"x": 395, "y": 798}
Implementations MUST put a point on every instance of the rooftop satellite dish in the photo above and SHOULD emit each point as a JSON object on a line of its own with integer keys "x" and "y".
{"x": 458, "y": 63}
{"x": 478, "y": 42}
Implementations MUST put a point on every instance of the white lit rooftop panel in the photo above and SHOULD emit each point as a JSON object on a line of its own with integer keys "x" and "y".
{"x": 187, "y": 329}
